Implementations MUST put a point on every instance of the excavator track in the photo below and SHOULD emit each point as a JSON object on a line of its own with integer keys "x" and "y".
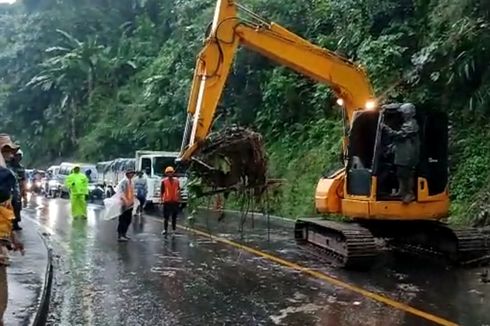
{"x": 458, "y": 246}
{"x": 353, "y": 245}
{"x": 347, "y": 245}
{"x": 472, "y": 245}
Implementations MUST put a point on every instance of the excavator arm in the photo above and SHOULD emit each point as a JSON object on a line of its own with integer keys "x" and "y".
{"x": 348, "y": 80}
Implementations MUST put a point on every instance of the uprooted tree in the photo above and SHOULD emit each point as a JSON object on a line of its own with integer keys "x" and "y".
{"x": 232, "y": 159}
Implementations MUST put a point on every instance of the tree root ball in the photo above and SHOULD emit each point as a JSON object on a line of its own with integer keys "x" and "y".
{"x": 232, "y": 157}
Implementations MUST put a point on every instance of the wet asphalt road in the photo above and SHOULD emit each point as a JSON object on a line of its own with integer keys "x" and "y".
{"x": 194, "y": 280}
{"x": 26, "y": 276}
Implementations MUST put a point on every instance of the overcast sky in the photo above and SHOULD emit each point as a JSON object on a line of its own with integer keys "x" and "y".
{"x": 7, "y": 1}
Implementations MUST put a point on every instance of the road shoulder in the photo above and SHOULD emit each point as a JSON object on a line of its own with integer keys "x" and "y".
{"x": 29, "y": 279}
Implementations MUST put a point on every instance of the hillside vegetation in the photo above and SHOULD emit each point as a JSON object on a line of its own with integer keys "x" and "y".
{"x": 98, "y": 79}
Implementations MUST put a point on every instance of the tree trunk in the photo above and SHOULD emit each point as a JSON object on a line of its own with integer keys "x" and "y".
{"x": 73, "y": 122}
{"x": 90, "y": 80}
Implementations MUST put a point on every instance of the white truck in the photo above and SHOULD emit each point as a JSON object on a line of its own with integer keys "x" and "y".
{"x": 153, "y": 163}
{"x": 111, "y": 172}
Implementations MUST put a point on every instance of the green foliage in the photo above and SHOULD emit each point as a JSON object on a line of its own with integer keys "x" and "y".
{"x": 300, "y": 159}
{"x": 96, "y": 79}
{"x": 470, "y": 172}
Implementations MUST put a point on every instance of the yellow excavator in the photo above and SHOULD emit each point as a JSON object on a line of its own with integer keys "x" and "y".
{"x": 363, "y": 191}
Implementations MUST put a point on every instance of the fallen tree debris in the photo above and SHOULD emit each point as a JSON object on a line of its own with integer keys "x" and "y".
{"x": 232, "y": 159}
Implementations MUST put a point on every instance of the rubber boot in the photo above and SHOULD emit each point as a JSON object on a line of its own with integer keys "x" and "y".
{"x": 16, "y": 226}
{"x": 401, "y": 188}
{"x": 409, "y": 195}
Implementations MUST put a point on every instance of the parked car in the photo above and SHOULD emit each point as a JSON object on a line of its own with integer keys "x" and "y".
{"x": 51, "y": 183}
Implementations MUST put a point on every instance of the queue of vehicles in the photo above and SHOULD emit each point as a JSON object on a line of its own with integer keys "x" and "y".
{"x": 152, "y": 164}
{"x": 105, "y": 176}
{"x": 34, "y": 180}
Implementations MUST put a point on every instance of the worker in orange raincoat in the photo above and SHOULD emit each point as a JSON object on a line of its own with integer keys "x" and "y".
{"x": 170, "y": 196}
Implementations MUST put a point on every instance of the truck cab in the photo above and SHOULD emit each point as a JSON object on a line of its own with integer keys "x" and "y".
{"x": 153, "y": 163}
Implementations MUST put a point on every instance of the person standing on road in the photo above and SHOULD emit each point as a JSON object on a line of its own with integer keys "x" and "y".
{"x": 77, "y": 184}
{"x": 88, "y": 173}
{"x": 8, "y": 240}
{"x": 20, "y": 172}
{"x": 170, "y": 195}
{"x": 125, "y": 188}
{"x": 9, "y": 150}
{"x": 141, "y": 187}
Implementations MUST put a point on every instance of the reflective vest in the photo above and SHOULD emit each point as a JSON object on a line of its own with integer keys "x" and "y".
{"x": 171, "y": 190}
{"x": 129, "y": 193}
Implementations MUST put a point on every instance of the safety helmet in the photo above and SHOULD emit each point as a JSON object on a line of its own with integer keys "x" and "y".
{"x": 408, "y": 110}
{"x": 169, "y": 169}
{"x": 6, "y": 142}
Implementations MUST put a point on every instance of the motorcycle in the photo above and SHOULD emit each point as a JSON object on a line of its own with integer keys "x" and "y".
{"x": 34, "y": 186}
{"x": 96, "y": 192}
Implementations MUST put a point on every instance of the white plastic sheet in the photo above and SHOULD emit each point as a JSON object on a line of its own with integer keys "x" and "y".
{"x": 136, "y": 205}
{"x": 113, "y": 207}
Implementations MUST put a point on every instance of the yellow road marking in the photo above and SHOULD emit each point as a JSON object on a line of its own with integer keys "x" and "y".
{"x": 330, "y": 279}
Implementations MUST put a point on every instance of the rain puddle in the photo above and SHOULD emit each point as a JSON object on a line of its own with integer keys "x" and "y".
{"x": 309, "y": 308}
{"x": 166, "y": 271}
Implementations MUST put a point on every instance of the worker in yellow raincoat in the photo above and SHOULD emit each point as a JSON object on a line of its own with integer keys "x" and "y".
{"x": 77, "y": 184}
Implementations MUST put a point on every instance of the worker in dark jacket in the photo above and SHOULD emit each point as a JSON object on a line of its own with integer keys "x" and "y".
{"x": 21, "y": 194}
{"x": 407, "y": 150}
{"x": 8, "y": 241}
{"x": 141, "y": 189}
{"x": 9, "y": 150}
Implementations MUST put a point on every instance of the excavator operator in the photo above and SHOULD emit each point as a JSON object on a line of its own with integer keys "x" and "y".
{"x": 406, "y": 146}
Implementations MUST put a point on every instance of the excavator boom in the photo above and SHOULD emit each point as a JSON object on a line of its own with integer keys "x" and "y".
{"x": 348, "y": 80}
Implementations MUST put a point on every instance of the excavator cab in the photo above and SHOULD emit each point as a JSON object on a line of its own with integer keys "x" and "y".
{"x": 371, "y": 154}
